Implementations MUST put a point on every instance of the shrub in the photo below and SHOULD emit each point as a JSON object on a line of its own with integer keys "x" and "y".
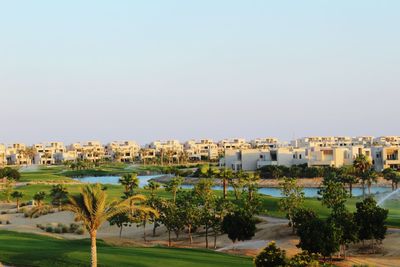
{"x": 49, "y": 229}
{"x": 1, "y": 222}
{"x": 8, "y": 222}
{"x": 304, "y": 259}
{"x": 80, "y": 231}
{"x": 271, "y": 256}
{"x": 73, "y": 227}
{"x": 58, "y": 230}
{"x": 4, "y": 212}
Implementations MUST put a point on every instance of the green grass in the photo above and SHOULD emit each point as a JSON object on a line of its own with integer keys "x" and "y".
{"x": 35, "y": 250}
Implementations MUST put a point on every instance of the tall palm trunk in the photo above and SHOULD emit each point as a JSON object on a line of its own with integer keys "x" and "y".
{"x": 93, "y": 235}
{"x": 224, "y": 185}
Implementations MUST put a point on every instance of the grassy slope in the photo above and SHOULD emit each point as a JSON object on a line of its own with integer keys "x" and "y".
{"x": 35, "y": 250}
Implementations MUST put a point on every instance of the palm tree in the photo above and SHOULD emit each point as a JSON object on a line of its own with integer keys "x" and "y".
{"x": 361, "y": 165}
{"x": 130, "y": 181}
{"x": 225, "y": 175}
{"x": 17, "y": 196}
{"x": 39, "y": 197}
{"x": 173, "y": 186}
{"x": 58, "y": 193}
{"x": 370, "y": 177}
{"x": 152, "y": 186}
{"x": 92, "y": 208}
{"x": 391, "y": 175}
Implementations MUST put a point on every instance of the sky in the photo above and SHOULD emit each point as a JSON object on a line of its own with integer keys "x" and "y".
{"x": 148, "y": 70}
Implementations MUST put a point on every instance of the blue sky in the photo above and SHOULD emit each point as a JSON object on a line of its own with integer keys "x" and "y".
{"x": 144, "y": 70}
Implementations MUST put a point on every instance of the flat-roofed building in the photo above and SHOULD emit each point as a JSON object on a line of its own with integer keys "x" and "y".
{"x": 45, "y": 153}
{"x": 123, "y": 151}
{"x": 267, "y": 142}
{"x": 326, "y": 156}
{"x": 387, "y": 141}
{"x": 3, "y": 158}
{"x": 16, "y": 155}
{"x": 91, "y": 150}
{"x": 386, "y": 157}
{"x": 204, "y": 149}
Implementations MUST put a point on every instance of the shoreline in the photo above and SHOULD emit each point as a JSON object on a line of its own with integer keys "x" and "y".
{"x": 272, "y": 183}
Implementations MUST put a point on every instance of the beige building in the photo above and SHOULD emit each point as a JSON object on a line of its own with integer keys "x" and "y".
{"x": 386, "y": 157}
{"x": 46, "y": 153}
{"x": 92, "y": 150}
{"x": 387, "y": 141}
{"x": 201, "y": 150}
{"x": 3, "y": 158}
{"x": 268, "y": 142}
{"x": 124, "y": 151}
{"x": 15, "y": 155}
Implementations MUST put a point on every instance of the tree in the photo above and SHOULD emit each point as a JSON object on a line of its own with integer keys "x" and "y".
{"x": 369, "y": 177}
{"x": 348, "y": 229}
{"x": 271, "y": 256}
{"x": 347, "y": 176}
{"x": 219, "y": 208}
{"x": 334, "y": 195}
{"x": 237, "y": 183}
{"x": 173, "y": 186}
{"x": 393, "y": 176}
{"x": 130, "y": 181}
{"x": 152, "y": 186}
{"x": 120, "y": 220}
{"x": 171, "y": 219}
{"x": 371, "y": 220}
{"x": 239, "y": 226}
{"x": 39, "y": 197}
{"x": 10, "y": 173}
{"x": 59, "y": 195}
{"x": 17, "y": 195}
{"x": 361, "y": 165}
{"x": 190, "y": 211}
{"x": 91, "y": 207}
{"x": 251, "y": 184}
{"x": 318, "y": 236}
{"x": 292, "y": 198}
{"x": 225, "y": 174}
{"x": 8, "y": 189}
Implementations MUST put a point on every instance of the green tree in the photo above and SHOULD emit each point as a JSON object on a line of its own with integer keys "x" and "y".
{"x": 170, "y": 218}
{"x": 292, "y": 198}
{"x": 239, "y": 226}
{"x": 8, "y": 189}
{"x": 371, "y": 220}
{"x": 92, "y": 208}
{"x": 369, "y": 177}
{"x": 190, "y": 211}
{"x": 361, "y": 165}
{"x": 10, "y": 173}
{"x": 39, "y": 197}
{"x": 334, "y": 195}
{"x": 393, "y": 176}
{"x": 219, "y": 208}
{"x": 304, "y": 259}
{"x": 17, "y": 195}
{"x": 120, "y": 220}
{"x": 59, "y": 195}
{"x": 271, "y": 256}
{"x": 130, "y": 181}
{"x": 152, "y": 186}
{"x": 173, "y": 186}
{"x": 225, "y": 174}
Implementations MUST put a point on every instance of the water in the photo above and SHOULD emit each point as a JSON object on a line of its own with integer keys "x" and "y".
{"x": 388, "y": 196}
{"x": 143, "y": 180}
{"x": 271, "y": 191}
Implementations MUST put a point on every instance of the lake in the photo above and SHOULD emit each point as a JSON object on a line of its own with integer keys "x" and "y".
{"x": 271, "y": 191}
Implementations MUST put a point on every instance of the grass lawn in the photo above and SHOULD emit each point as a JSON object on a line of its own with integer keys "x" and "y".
{"x": 35, "y": 250}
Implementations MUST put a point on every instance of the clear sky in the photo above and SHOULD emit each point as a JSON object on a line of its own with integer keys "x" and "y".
{"x": 145, "y": 70}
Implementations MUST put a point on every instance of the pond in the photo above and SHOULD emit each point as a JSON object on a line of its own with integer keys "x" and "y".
{"x": 271, "y": 191}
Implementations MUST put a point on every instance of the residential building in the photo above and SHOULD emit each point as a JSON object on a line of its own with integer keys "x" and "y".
{"x": 268, "y": 142}
{"x": 387, "y": 141}
{"x": 201, "y": 150}
{"x": 386, "y": 157}
{"x": 3, "y": 158}
{"x": 124, "y": 151}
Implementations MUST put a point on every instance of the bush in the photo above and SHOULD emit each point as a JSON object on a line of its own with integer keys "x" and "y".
{"x": 80, "y": 231}
{"x": 58, "y": 230}
{"x": 1, "y": 222}
{"x": 8, "y": 222}
{"x": 73, "y": 227}
{"x": 49, "y": 229}
{"x": 271, "y": 256}
{"x": 4, "y": 212}
{"x": 304, "y": 259}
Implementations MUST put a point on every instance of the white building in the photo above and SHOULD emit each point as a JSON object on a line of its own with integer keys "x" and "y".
{"x": 124, "y": 151}
{"x": 201, "y": 150}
